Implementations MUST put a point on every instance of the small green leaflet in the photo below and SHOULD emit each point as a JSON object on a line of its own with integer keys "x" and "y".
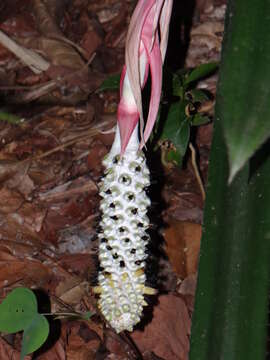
{"x": 34, "y": 335}
{"x": 201, "y": 71}
{"x": 177, "y": 129}
{"x": 111, "y": 83}
{"x": 10, "y": 118}
{"x": 199, "y": 119}
{"x": 198, "y": 95}
{"x": 19, "y": 312}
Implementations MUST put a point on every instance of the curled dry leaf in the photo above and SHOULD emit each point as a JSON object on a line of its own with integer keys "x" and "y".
{"x": 182, "y": 246}
{"x": 26, "y": 271}
{"x": 167, "y": 334}
{"x": 8, "y": 353}
{"x": 56, "y": 352}
{"x": 10, "y": 200}
{"x": 83, "y": 342}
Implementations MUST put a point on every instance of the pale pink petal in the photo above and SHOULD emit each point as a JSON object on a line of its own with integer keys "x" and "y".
{"x": 127, "y": 120}
{"x": 127, "y": 115}
{"x": 158, "y": 9}
{"x": 164, "y": 26}
{"x": 156, "y": 79}
{"x": 122, "y": 78}
{"x": 133, "y": 41}
{"x": 142, "y": 49}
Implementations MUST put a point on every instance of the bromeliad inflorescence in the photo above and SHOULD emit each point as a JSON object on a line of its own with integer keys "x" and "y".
{"x": 123, "y": 229}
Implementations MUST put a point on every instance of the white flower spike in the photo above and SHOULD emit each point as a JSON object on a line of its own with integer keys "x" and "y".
{"x": 123, "y": 237}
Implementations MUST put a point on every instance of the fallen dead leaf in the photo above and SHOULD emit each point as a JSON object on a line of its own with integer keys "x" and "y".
{"x": 83, "y": 342}
{"x": 8, "y": 353}
{"x": 188, "y": 285}
{"x": 188, "y": 288}
{"x": 182, "y": 246}
{"x": 56, "y": 352}
{"x": 167, "y": 335}
{"x": 120, "y": 346}
{"x": 10, "y": 201}
{"x": 28, "y": 271}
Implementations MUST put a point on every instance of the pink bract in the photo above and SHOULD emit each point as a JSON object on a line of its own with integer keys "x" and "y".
{"x": 146, "y": 45}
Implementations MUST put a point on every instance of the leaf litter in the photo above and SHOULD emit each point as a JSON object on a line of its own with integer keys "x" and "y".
{"x": 50, "y": 165}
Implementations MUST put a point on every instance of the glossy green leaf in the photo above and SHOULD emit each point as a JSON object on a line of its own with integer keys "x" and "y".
{"x": 245, "y": 80}
{"x": 231, "y": 308}
{"x": 182, "y": 137}
{"x": 111, "y": 83}
{"x": 199, "y": 119}
{"x": 201, "y": 72}
{"x": 177, "y": 127}
{"x": 175, "y": 157}
{"x": 17, "y": 310}
{"x": 232, "y": 297}
{"x": 198, "y": 95}
{"x": 177, "y": 85}
{"x": 35, "y": 334}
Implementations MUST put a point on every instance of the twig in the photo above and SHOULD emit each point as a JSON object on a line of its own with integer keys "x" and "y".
{"x": 196, "y": 170}
{"x": 34, "y": 61}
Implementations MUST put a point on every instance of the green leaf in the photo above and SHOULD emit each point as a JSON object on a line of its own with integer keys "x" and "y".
{"x": 87, "y": 315}
{"x": 10, "y": 118}
{"x": 199, "y": 119}
{"x": 111, "y": 83}
{"x": 198, "y": 95}
{"x": 231, "y": 316}
{"x": 177, "y": 83}
{"x": 182, "y": 137}
{"x": 34, "y": 335}
{"x": 231, "y": 308}
{"x": 245, "y": 80}
{"x": 174, "y": 156}
{"x": 17, "y": 310}
{"x": 177, "y": 127}
{"x": 201, "y": 72}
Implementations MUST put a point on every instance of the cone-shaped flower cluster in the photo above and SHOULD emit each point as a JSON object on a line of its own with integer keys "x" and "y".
{"x": 123, "y": 230}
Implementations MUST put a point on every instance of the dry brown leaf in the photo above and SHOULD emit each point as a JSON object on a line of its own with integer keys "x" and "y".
{"x": 18, "y": 230}
{"x": 83, "y": 342}
{"x": 119, "y": 346}
{"x": 167, "y": 335}
{"x": 80, "y": 264}
{"x": 74, "y": 295}
{"x": 182, "y": 246}
{"x": 96, "y": 155}
{"x": 188, "y": 285}
{"x": 28, "y": 272}
{"x": 188, "y": 288}
{"x": 8, "y": 353}
{"x": 56, "y": 352}
{"x": 10, "y": 200}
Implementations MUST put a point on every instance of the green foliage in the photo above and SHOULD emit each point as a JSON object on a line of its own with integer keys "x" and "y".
{"x": 177, "y": 130}
{"x": 200, "y": 72}
{"x": 246, "y": 122}
{"x": 10, "y": 118}
{"x": 111, "y": 83}
{"x": 19, "y": 312}
{"x": 232, "y": 297}
{"x": 183, "y": 112}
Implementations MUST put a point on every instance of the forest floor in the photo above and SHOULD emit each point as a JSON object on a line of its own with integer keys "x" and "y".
{"x": 51, "y": 150}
